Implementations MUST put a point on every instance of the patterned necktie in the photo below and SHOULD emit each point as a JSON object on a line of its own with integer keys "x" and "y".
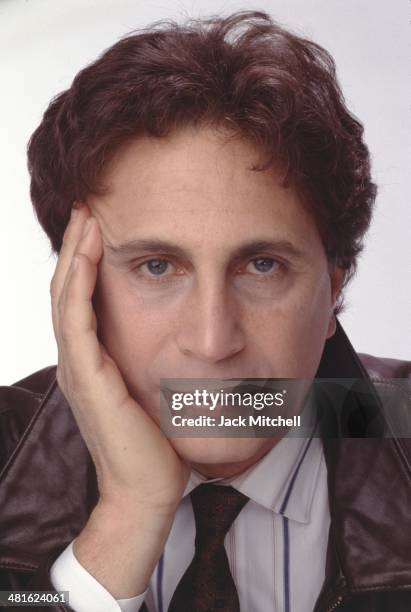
{"x": 207, "y": 585}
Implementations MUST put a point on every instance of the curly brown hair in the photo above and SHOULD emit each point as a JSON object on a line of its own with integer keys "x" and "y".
{"x": 243, "y": 71}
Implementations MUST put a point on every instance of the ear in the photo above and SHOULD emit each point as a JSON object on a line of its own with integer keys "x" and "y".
{"x": 337, "y": 276}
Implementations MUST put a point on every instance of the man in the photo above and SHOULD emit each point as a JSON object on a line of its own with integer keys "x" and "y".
{"x": 207, "y": 192}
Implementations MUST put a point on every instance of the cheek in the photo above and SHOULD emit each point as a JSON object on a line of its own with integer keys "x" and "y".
{"x": 291, "y": 333}
{"x": 311, "y": 326}
{"x": 132, "y": 331}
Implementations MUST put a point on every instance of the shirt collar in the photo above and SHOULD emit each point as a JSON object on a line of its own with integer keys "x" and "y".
{"x": 283, "y": 481}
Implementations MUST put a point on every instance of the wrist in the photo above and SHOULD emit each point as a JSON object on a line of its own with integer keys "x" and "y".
{"x": 123, "y": 510}
{"x": 120, "y": 546}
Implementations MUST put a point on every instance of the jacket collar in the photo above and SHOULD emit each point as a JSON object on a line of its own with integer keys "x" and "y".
{"x": 48, "y": 489}
{"x": 369, "y": 488}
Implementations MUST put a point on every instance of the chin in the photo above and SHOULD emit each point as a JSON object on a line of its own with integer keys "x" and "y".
{"x": 209, "y": 454}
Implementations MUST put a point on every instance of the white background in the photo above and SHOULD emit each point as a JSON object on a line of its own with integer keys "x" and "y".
{"x": 43, "y": 44}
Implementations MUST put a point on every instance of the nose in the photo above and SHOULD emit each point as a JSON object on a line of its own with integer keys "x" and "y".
{"x": 210, "y": 327}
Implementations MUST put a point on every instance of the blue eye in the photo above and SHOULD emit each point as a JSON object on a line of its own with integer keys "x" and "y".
{"x": 157, "y": 267}
{"x": 264, "y": 264}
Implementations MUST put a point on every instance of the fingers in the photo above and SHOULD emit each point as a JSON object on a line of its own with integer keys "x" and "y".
{"x": 71, "y": 239}
{"x": 73, "y": 287}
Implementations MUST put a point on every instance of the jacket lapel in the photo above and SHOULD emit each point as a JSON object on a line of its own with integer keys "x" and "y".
{"x": 47, "y": 488}
{"x": 369, "y": 487}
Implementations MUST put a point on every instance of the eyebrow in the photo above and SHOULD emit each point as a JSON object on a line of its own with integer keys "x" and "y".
{"x": 131, "y": 248}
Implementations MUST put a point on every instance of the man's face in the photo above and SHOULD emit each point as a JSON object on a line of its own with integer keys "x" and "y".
{"x": 210, "y": 270}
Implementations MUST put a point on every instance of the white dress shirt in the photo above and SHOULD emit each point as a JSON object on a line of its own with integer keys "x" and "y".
{"x": 276, "y": 547}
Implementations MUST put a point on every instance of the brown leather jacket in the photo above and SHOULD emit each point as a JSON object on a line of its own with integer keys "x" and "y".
{"x": 48, "y": 489}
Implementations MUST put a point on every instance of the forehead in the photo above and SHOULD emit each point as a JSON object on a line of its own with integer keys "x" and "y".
{"x": 197, "y": 185}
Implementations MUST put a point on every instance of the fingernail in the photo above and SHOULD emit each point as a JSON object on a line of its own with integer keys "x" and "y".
{"x": 77, "y": 206}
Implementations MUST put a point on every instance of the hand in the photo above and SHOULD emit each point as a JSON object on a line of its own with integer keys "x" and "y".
{"x": 140, "y": 477}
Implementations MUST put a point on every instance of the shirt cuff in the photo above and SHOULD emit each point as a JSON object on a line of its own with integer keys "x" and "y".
{"x": 86, "y": 594}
